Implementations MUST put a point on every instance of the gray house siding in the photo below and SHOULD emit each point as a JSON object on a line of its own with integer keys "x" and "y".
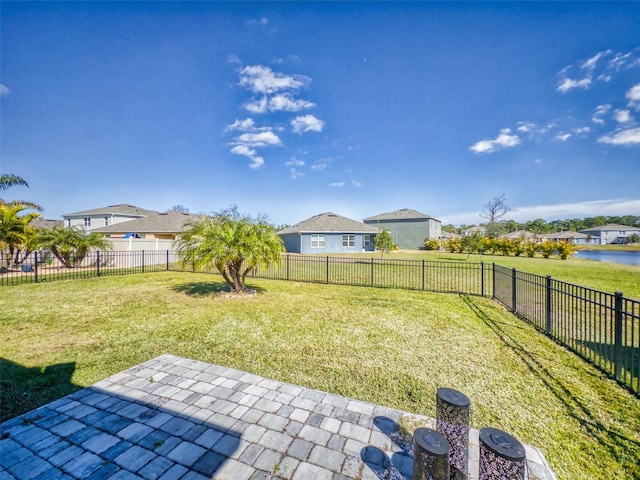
{"x": 410, "y": 233}
{"x": 328, "y": 233}
{"x": 333, "y": 243}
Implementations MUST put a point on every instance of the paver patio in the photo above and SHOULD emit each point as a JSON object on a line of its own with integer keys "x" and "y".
{"x": 173, "y": 418}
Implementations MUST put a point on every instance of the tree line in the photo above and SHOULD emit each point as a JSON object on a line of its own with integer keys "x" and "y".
{"x": 541, "y": 226}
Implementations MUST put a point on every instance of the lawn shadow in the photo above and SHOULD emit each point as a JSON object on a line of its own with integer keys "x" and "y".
{"x": 616, "y": 442}
{"x": 204, "y": 289}
{"x": 24, "y": 388}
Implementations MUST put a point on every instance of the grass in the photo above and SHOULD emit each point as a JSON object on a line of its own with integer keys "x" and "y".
{"x": 391, "y": 347}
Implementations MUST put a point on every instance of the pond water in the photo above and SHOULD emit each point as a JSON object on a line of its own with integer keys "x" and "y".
{"x": 626, "y": 258}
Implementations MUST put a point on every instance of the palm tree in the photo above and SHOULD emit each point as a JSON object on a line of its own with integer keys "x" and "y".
{"x": 15, "y": 232}
{"x": 232, "y": 242}
{"x": 8, "y": 180}
{"x": 71, "y": 245}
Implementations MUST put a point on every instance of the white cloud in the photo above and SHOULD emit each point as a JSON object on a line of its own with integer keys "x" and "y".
{"x": 243, "y": 150}
{"x": 293, "y": 174}
{"x": 590, "y": 64}
{"x": 261, "y": 79}
{"x": 600, "y": 111}
{"x": 258, "y": 139}
{"x": 284, "y": 102}
{"x": 568, "y": 84}
{"x": 4, "y": 90}
{"x": 622, "y": 116}
{"x": 337, "y": 184}
{"x": 307, "y": 123}
{"x": 294, "y": 162}
{"x": 630, "y": 136}
{"x": 233, "y": 59}
{"x": 526, "y": 127}
{"x": 256, "y": 106}
{"x": 318, "y": 166}
{"x": 258, "y": 21}
{"x": 563, "y": 136}
{"x": 356, "y": 183}
{"x": 504, "y": 140}
{"x": 245, "y": 125}
{"x": 634, "y": 96}
{"x": 582, "y": 130}
{"x": 280, "y": 102}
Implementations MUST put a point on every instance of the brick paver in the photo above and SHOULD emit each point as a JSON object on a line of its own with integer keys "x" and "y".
{"x": 173, "y": 418}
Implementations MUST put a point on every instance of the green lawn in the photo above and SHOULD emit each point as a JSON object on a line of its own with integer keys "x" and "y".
{"x": 391, "y": 347}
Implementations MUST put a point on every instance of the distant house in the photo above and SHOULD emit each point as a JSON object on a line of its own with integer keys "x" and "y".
{"x": 45, "y": 224}
{"x": 409, "y": 228}
{"x": 473, "y": 230}
{"x": 523, "y": 235}
{"x": 329, "y": 233}
{"x": 612, "y": 233}
{"x": 105, "y": 216}
{"x": 576, "y": 238}
{"x": 155, "y": 231}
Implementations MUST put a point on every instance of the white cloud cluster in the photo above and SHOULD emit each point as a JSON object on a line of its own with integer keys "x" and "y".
{"x": 505, "y": 139}
{"x": 602, "y": 66}
{"x": 4, "y": 90}
{"x": 272, "y": 92}
{"x": 307, "y": 123}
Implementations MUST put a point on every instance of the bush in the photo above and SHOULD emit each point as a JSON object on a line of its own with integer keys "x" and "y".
{"x": 566, "y": 249}
{"x": 431, "y": 244}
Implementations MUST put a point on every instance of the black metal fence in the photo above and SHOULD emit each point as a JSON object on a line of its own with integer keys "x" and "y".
{"x": 44, "y": 267}
{"x": 603, "y": 328}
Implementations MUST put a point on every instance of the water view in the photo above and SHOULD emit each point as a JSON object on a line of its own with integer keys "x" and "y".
{"x": 626, "y": 258}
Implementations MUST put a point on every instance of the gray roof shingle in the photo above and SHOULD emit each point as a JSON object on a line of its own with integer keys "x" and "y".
{"x": 403, "y": 214}
{"x": 329, "y": 222}
{"x": 122, "y": 209}
{"x": 167, "y": 222}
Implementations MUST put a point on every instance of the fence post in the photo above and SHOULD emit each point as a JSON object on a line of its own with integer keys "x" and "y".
{"x": 618, "y": 335}
{"x": 35, "y": 267}
{"x": 142, "y": 252}
{"x": 482, "y": 279}
{"x": 327, "y": 272}
{"x": 423, "y": 274}
{"x": 514, "y": 295}
{"x": 97, "y": 263}
{"x": 372, "y": 271}
{"x": 493, "y": 280}
{"x": 549, "y": 309}
{"x": 287, "y": 257}
{"x": 167, "y": 260}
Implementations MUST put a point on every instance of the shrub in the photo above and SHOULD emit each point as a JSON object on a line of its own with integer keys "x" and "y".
{"x": 431, "y": 244}
{"x": 566, "y": 249}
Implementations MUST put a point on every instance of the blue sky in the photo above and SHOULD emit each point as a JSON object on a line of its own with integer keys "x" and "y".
{"x": 294, "y": 109}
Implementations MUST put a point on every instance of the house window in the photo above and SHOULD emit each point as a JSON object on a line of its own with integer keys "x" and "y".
{"x": 366, "y": 241}
{"x": 317, "y": 241}
{"x": 106, "y": 221}
{"x": 87, "y": 221}
{"x": 348, "y": 240}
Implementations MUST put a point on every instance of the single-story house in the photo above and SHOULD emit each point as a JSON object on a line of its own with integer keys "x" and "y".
{"x": 45, "y": 224}
{"x": 612, "y": 233}
{"x": 329, "y": 233}
{"x": 576, "y": 238}
{"x": 105, "y": 216}
{"x": 523, "y": 235}
{"x": 408, "y": 228}
{"x": 155, "y": 231}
